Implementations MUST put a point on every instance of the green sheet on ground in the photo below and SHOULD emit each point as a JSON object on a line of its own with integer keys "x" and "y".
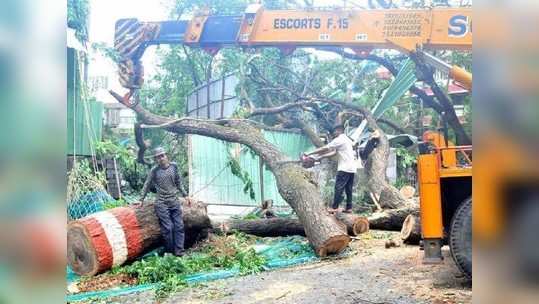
{"x": 279, "y": 253}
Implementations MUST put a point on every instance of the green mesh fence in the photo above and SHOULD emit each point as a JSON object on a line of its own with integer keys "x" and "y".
{"x": 87, "y": 204}
{"x": 279, "y": 253}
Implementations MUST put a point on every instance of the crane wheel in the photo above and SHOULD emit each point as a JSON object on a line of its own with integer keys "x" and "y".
{"x": 460, "y": 238}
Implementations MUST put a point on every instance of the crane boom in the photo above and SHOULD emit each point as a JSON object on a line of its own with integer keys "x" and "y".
{"x": 407, "y": 30}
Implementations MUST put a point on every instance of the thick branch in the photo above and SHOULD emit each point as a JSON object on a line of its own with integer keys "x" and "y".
{"x": 279, "y": 109}
{"x": 392, "y": 125}
{"x": 427, "y": 100}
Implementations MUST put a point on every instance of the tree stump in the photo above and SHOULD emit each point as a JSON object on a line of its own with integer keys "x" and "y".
{"x": 110, "y": 238}
{"x": 411, "y": 230}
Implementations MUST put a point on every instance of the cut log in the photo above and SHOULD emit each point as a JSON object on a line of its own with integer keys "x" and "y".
{"x": 272, "y": 227}
{"x": 411, "y": 230}
{"x": 391, "y": 219}
{"x": 109, "y": 238}
{"x": 355, "y": 225}
{"x": 263, "y": 227}
{"x": 407, "y": 192}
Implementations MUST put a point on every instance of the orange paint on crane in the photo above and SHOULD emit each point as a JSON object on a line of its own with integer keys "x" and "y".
{"x": 430, "y": 196}
{"x": 391, "y": 29}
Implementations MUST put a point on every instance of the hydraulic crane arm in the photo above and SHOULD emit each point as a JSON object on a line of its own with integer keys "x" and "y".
{"x": 361, "y": 30}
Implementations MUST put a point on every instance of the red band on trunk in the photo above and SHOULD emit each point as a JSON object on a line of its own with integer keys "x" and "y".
{"x": 100, "y": 242}
{"x": 128, "y": 219}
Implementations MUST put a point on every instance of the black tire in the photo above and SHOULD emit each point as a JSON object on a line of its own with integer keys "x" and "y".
{"x": 460, "y": 237}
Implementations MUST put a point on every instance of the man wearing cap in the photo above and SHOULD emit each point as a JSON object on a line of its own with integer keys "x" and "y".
{"x": 346, "y": 168}
{"x": 164, "y": 177}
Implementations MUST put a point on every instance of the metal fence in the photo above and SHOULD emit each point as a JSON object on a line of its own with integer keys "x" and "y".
{"x": 211, "y": 180}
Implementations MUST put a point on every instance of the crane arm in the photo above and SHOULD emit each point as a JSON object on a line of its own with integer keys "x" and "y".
{"x": 361, "y": 30}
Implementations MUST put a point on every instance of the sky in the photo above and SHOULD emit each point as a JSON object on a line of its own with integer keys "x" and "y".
{"x": 103, "y": 16}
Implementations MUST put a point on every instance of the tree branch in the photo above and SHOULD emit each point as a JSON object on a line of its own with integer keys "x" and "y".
{"x": 279, "y": 109}
{"x": 427, "y": 100}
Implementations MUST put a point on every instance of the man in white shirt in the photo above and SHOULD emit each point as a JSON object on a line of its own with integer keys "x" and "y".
{"x": 346, "y": 169}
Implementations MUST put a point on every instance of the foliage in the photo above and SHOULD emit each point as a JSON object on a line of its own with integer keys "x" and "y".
{"x": 223, "y": 252}
{"x": 406, "y": 162}
{"x": 126, "y": 159}
{"x": 235, "y": 168}
{"x": 82, "y": 180}
{"x": 77, "y": 18}
{"x": 405, "y": 158}
{"x": 107, "y": 51}
{"x": 114, "y": 204}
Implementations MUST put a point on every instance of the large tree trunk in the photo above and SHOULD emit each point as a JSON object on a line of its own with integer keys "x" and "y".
{"x": 355, "y": 225}
{"x": 391, "y": 219}
{"x": 375, "y": 168}
{"x": 294, "y": 183}
{"x": 110, "y": 238}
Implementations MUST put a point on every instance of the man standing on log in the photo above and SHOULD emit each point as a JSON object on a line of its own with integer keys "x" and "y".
{"x": 346, "y": 168}
{"x": 165, "y": 179}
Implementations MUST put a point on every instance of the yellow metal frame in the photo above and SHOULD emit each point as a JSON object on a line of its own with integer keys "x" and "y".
{"x": 431, "y": 170}
{"x": 430, "y": 196}
{"x": 447, "y": 28}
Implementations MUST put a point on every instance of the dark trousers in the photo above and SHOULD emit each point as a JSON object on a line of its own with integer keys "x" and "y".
{"x": 343, "y": 182}
{"x": 171, "y": 223}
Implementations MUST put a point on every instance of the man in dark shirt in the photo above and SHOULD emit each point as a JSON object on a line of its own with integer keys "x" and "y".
{"x": 165, "y": 178}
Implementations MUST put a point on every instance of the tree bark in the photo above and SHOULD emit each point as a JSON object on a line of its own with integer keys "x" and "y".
{"x": 110, "y": 238}
{"x": 411, "y": 230}
{"x": 391, "y": 219}
{"x": 272, "y": 227}
{"x": 263, "y": 227}
{"x": 294, "y": 183}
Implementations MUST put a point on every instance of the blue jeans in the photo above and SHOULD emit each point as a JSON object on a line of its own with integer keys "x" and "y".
{"x": 171, "y": 223}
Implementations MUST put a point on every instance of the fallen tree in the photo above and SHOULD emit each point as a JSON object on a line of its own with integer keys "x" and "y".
{"x": 295, "y": 184}
{"x": 271, "y": 227}
{"x": 110, "y": 238}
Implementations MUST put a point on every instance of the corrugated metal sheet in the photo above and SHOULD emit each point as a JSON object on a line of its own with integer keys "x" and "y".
{"x": 404, "y": 80}
{"x": 402, "y": 83}
{"x": 84, "y": 119}
{"x": 211, "y": 180}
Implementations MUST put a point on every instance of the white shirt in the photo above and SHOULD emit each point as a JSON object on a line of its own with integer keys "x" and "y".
{"x": 343, "y": 145}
